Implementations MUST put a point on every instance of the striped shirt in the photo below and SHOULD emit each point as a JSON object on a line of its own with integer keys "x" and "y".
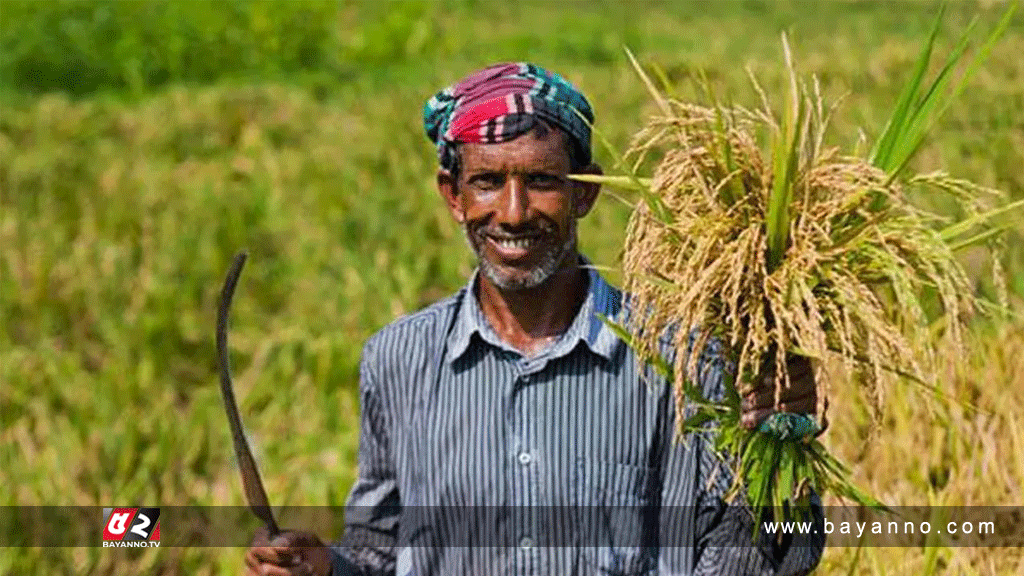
{"x": 474, "y": 459}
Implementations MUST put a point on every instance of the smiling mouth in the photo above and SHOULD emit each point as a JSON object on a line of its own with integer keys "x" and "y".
{"x": 515, "y": 243}
{"x": 515, "y": 248}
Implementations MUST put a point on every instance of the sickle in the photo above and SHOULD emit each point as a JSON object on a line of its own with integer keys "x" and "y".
{"x": 254, "y": 492}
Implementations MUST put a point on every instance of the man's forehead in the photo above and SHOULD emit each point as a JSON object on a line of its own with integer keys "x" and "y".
{"x": 528, "y": 151}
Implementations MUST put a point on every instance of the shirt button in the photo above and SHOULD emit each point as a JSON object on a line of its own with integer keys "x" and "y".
{"x": 526, "y": 543}
{"x": 525, "y": 458}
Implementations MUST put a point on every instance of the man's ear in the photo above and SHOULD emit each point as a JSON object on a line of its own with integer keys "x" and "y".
{"x": 586, "y": 192}
{"x": 448, "y": 188}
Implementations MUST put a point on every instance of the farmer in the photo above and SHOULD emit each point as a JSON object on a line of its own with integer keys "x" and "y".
{"x": 506, "y": 429}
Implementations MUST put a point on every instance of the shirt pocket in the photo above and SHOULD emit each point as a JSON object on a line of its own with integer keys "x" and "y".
{"x": 614, "y": 513}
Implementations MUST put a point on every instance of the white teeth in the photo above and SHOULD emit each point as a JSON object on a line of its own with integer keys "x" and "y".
{"x": 518, "y": 244}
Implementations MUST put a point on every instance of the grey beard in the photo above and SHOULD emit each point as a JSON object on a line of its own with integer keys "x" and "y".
{"x": 548, "y": 265}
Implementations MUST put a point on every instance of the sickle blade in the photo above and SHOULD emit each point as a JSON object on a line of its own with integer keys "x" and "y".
{"x": 254, "y": 492}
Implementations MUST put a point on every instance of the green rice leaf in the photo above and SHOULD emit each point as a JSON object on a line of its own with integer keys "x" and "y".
{"x": 752, "y": 443}
{"x": 628, "y": 185}
{"x": 787, "y": 464}
{"x": 979, "y": 238}
{"x": 732, "y": 396}
{"x": 820, "y": 455}
{"x": 961, "y": 227}
{"x": 657, "y": 361}
{"x": 861, "y": 497}
{"x": 785, "y": 157}
{"x": 802, "y": 468}
{"x": 619, "y": 331}
{"x": 983, "y": 53}
{"x": 624, "y": 182}
{"x": 698, "y": 420}
{"x": 881, "y": 153}
{"x": 656, "y": 205}
{"x": 914, "y": 116}
{"x": 666, "y": 85}
{"x": 734, "y": 190}
{"x": 658, "y": 98}
{"x": 695, "y": 395}
{"x": 923, "y": 117}
{"x": 766, "y": 466}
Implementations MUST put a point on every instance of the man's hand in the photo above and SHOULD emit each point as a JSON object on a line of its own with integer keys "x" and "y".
{"x": 800, "y": 396}
{"x": 288, "y": 554}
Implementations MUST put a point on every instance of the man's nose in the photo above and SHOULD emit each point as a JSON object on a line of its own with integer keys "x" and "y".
{"x": 514, "y": 203}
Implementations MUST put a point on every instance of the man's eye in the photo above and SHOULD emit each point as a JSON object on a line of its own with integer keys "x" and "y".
{"x": 487, "y": 181}
{"x": 544, "y": 181}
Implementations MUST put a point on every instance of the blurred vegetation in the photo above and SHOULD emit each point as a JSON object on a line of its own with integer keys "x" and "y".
{"x": 82, "y": 46}
{"x": 143, "y": 143}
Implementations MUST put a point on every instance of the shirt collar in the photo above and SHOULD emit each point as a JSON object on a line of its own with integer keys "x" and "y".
{"x": 602, "y": 300}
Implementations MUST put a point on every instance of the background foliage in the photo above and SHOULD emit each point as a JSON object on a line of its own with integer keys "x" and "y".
{"x": 143, "y": 143}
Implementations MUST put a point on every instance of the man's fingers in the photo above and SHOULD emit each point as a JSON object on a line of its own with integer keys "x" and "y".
{"x": 752, "y": 419}
{"x": 758, "y": 401}
{"x": 277, "y": 555}
{"x": 753, "y": 416}
{"x": 252, "y": 567}
{"x": 300, "y": 570}
{"x": 292, "y": 553}
{"x": 786, "y": 403}
{"x": 806, "y": 404}
{"x": 276, "y": 561}
{"x": 797, "y": 395}
{"x": 251, "y": 562}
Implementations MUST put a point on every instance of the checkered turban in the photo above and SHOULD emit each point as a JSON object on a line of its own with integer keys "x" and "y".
{"x": 503, "y": 101}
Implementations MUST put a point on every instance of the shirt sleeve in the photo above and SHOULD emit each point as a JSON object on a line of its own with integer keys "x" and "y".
{"x": 371, "y": 514}
{"x": 696, "y": 480}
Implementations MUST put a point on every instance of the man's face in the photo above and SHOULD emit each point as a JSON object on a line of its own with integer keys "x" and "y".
{"x": 518, "y": 208}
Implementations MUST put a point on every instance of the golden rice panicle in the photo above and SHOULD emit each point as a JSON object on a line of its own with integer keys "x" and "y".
{"x": 849, "y": 288}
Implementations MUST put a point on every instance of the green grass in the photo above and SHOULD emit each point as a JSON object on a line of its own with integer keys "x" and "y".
{"x": 125, "y": 192}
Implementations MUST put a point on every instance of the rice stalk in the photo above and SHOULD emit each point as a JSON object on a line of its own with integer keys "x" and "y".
{"x": 800, "y": 250}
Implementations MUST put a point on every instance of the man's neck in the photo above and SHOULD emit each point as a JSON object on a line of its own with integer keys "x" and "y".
{"x": 531, "y": 319}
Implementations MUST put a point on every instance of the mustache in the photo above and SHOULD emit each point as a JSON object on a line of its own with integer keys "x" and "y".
{"x": 504, "y": 232}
